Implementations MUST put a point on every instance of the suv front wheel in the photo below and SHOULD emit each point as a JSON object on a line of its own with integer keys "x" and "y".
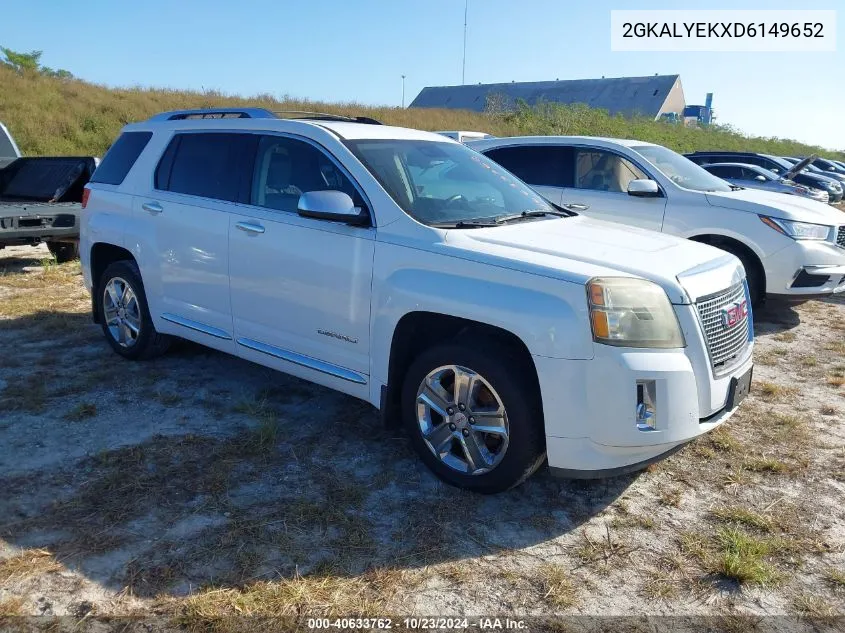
{"x": 124, "y": 315}
{"x": 473, "y": 417}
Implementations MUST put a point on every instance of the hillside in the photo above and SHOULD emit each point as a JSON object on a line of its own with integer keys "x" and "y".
{"x": 55, "y": 115}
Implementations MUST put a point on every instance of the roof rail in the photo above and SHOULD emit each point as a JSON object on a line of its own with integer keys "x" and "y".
{"x": 323, "y": 116}
{"x": 214, "y": 113}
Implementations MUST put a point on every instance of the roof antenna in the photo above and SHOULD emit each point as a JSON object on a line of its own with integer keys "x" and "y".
{"x": 464, "y": 68}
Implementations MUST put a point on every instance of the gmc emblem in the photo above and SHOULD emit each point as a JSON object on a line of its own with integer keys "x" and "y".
{"x": 733, "y": 314}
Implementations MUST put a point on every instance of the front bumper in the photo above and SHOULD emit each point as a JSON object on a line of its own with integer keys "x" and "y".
{"x": 805, "y": 269}
{"x": 589, "y": 406}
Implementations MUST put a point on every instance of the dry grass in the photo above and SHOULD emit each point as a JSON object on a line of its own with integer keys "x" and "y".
{"x": 765, "y": 464}
{"x": 742, "y": 516}
{"x": 813, "y": 606}
{"x": 774, "y": 391}
{"x": 364, "y": 595}
{"x": 835, "y": 578}
{"x": 558, "y": 588}
{"x": 836, "y": 380}
{"x": 670, "y": 497}
{"x": 33, "y": 562}
{"x": 12, "y": 607}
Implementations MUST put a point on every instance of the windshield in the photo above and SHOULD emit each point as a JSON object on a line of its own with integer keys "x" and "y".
{"x": 682, "y": 171}
{"x": 446, "y": 183}
{"x": 785, "y": 165}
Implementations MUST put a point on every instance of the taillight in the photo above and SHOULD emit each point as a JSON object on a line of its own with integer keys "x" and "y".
{"x": 85, "y": 194}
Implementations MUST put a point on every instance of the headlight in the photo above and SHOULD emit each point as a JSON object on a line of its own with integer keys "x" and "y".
{"x": 798, "y": 230}
{"x": 630, "y": 312}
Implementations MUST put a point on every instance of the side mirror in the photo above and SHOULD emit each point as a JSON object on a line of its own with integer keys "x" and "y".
{"x": 760, "y": 178}
{"x": 643, "y": 188}
{"x": 334, "y": 206}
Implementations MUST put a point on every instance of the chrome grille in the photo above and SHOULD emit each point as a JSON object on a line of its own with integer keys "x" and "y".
{"x": 840, "y": 237}
{"x": 723, "y": 344}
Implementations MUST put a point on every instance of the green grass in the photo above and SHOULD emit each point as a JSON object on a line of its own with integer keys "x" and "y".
{"x": 49, "y": 116}
{"x": 744, "y": 558}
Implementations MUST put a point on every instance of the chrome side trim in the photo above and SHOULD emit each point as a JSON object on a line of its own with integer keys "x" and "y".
{"x": 197, "y": 326}
{"x": 304, "y": 361}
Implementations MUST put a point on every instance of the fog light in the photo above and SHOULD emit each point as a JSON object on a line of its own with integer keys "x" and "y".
{"x": 646, "y": 405}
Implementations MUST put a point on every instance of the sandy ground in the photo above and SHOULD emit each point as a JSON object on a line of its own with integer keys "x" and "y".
{"x": 199, "y": 485}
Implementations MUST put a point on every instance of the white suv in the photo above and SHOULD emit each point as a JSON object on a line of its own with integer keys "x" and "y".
{"x": 407, "y": 270}
{"x": 792, "y": 248}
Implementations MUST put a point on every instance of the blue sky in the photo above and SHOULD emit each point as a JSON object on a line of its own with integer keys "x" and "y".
{"x": 357, "y": 50}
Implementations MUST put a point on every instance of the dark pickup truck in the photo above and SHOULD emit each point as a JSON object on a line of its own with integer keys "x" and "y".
{"x": 40, "y": 201}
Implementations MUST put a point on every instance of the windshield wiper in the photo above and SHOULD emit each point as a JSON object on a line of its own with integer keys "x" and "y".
{"x": 516, "y": 217}
{"x": 464, "y": 224}
{"x": 736, "y": 188}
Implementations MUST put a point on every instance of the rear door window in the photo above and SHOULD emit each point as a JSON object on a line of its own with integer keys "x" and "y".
{"x": 121, "y": 157}
{"x": 604, "y": 171}
{"x": 721, "y": 171}
{"x": 546, "y": 165}
{"x": 209, "y": 165}
{"x": 748, "y": 174}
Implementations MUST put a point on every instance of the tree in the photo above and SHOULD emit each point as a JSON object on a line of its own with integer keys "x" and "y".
{"x": 22, "y": 62}
{"x": 59, "y": 74}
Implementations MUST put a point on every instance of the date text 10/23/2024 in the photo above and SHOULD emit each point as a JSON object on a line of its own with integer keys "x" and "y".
{"x": 418, "y": 623}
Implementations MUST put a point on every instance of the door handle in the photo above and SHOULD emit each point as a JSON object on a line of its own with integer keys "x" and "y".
{"x": 249, "y": 227}
{"x": 576, "y": 206}
{"x": 152, "y": 207}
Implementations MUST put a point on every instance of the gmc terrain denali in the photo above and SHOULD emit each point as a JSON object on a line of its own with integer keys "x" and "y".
{"x": 407, "y": 270}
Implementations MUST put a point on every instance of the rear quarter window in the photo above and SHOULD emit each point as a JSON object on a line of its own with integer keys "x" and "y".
{"x": 121, "y": 156}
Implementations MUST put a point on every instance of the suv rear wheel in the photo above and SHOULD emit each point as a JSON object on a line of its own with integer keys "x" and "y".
{"x": 472, "y": 416}
{"x": 124, "y": 315}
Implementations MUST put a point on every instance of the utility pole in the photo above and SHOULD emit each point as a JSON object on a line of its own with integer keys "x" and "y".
{"x": 403, "y": 91}
{"x": 464, "y": 68}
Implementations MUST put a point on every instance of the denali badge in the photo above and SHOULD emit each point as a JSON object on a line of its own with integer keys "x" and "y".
{"x": 342, "y": 337}
{"x": 733, "y": 314}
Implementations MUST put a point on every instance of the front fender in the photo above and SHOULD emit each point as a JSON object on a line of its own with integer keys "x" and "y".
{"x": 548, "y": 315}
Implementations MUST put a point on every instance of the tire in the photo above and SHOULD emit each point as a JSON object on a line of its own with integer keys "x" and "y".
{"x": 64, "y": 251}
{"x": 503, "y": 378}
{"x": 754, "y": 275}
{"x": 140, "y": 340}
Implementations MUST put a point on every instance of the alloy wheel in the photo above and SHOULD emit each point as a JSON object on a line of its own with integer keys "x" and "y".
{"x": 122, "y": 312}
{"x": 462, "y": 419}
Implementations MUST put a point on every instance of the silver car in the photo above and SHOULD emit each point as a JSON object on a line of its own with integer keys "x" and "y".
{"x": 754, "y": 177}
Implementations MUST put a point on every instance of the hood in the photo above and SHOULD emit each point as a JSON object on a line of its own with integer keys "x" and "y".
{"x": 578, "y": 248}
{"x": 777, "y": 205}
{"x": 800, "y": 166}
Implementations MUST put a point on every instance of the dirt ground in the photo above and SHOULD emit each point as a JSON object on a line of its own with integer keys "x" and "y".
{"x": 197, "y": 486}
